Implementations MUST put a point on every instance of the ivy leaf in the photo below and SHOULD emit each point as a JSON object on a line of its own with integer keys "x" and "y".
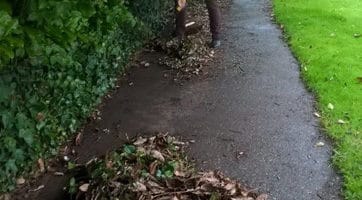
{"x": 10, "y": 143}
{"x": 5, "y": 51}
{"x": 4, "y": 93}
{"x": 72, "y": 186}
{"x": 22, "y": 121}
{"x": 6, "y": 119}
{"x": 11, "y": 166}
{"x": 159, "y": 174}
{"x": 27, "y": 135}
{"x": 40, "y": 125}
{"x": 19, "y": 155}
{"x": 71, "y": 165}
{"x": 168, "y": 174}
{"x": 129, "y": 149}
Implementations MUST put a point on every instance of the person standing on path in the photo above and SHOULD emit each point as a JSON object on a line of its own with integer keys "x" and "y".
{"x": 214, "y": 17}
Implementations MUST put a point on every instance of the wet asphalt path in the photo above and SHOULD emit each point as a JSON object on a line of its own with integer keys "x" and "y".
{"x": 254, "y": 102}
{"x": 260, "y": 107}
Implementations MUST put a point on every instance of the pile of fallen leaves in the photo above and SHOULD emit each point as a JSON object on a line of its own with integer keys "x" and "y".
{"x": 153, "y": 168}
{"x": 189, "y": 57}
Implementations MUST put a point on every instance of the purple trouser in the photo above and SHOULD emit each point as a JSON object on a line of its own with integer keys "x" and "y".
{"x": 214, "y": 16}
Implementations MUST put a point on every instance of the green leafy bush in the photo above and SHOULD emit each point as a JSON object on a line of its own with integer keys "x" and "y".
{"x": 57, "y": 58}
{"x": 9, "y": 40}
{"x": 150, "y": 13}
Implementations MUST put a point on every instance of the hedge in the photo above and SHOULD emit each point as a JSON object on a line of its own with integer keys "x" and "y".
{"x": 57, "y": 58}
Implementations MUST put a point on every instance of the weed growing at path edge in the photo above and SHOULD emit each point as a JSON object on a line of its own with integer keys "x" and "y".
{"x": 326, "y": 37}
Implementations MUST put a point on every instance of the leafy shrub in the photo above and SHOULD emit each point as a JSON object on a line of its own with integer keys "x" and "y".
{"x": 150, "y": 13}
{"x": 57, "y": 58}
{"x": 9, "y": 41}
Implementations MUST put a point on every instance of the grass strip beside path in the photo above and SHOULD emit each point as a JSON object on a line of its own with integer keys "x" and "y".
{"x": 326, "y": 37}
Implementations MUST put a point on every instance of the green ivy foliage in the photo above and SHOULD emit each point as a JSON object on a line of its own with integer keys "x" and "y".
{"x": 57, "y": 58}
{"x": 9, "y": 38}
{"x": 149, "y": 13}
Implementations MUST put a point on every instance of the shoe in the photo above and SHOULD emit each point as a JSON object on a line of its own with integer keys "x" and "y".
{"x": 215, "y": 43}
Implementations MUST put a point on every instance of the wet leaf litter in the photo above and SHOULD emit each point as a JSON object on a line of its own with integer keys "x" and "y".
{"x": 153, "y": 168}
{"x": 190, "y": 57}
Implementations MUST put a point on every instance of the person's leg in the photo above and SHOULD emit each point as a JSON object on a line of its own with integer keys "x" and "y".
{"x": 215, "y": 21}
{"x": 180, "y": 21}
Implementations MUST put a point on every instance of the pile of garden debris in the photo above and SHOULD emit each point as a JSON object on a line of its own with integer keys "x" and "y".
{"x": 192, "y": 55}
{"x": 153, "y": 168}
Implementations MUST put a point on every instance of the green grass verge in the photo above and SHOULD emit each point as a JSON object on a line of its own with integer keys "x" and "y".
{"x": 325, "y": 37}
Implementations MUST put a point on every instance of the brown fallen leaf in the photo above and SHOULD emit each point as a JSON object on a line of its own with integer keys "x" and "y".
{"x": 139, "y": 187}
{"x": 242, "y": 198}
{"x": 84, "y": 187}
{"x": 193, "y": 29}
{"x": 233, "y": 191}
{"x": 140, "y": 141}
{"x": 66, "y": 158}
{"x": 175, "y": 198}
{"x": 230, "y": 186}
{"x": 317, "y": 115}
{"x": 78, "y": 139}
{"x": 41, "y": 165}
{"x": 189, "y": 24}
{"x": 20, "y": 181}
{"x": 154, "y": 187}
{"x": 180, "y": 173}
{"x": 58, "y": 174}
{"x": 178, "y": 143}
{"x": 109, "y": 164}
{"x": 37, "y": 189}
{"x": 40, "y": 117}
{"x": 158, "y": 155}
{"x": 153, "y": 167}
{"x": 320, "y": 144}
{"x": 262, "y": 197}
{"x": 341, "y": 121}
{"x": 115, "y": 184}
{"x": 330, "y": 106}
{"x": 210, "y": 178}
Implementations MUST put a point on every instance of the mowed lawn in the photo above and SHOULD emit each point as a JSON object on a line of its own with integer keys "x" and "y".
{"x": 326, "y": 37}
